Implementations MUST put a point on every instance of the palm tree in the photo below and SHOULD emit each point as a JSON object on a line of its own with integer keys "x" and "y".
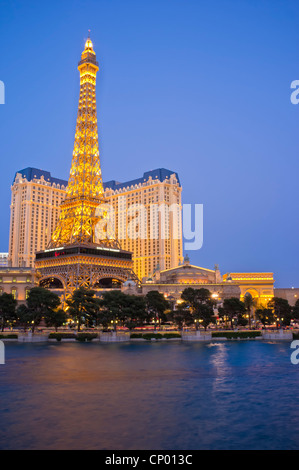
{"x": 249, "y": 303}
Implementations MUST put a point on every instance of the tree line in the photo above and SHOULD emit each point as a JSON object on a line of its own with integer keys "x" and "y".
{"x": 114, "y": 308}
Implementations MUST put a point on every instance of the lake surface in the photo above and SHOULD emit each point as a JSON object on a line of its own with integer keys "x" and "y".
{"x": 150, "y": 396}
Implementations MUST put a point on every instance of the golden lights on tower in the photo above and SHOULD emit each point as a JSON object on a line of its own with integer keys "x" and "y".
{"x": 78, "y": 216}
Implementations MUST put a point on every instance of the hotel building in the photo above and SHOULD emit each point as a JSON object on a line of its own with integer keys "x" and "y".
{"x": 34, "y": 212}
{"x": 156, "y": 198}
{"x": 36, "y": 198}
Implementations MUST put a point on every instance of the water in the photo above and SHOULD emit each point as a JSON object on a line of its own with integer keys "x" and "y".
{"x": 151, "y": 396}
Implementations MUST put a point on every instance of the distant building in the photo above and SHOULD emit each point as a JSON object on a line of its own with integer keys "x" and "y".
{"x": 291, "y": 294}
{"x": 259, "y": 285}
{"x": 172, "y": 282}
{"x": 17, "y": 281}
{"x": 3, "y": 259}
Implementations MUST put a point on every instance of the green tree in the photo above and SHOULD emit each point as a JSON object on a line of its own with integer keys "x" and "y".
{"x": 282, "y": 311}
{"x": 265, "y": 316}
{"x": 113, "y": 308}
{"x": 83, "y": 307}
{"x": 181, "y": 316}
{"x": 222, "y": 315}
{"x": 295, "y": 310}
{"x": 156, "y": 305}
{"x": 206, "y": 314}
{"x": 56, "y": 318}
{"x": 134, "y": 313}
{"x": 200, "y": 304}
{"x": 23, "y": 316}
{"x": 241, "y": 320}
{"x": 7, "y": 309}
{"x": 39, "y": 304}
{"x": 195, "y": 296}
{"x": 233, "y": 308}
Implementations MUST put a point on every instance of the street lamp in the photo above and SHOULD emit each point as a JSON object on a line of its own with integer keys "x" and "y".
{"x": 114, "y": 323}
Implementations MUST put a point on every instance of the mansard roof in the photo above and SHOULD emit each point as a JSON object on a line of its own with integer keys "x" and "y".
{"x": 159, "y": 174}
{"x": 34, "y": 173}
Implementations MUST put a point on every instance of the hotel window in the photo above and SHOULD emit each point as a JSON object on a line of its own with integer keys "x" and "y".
{"x": 14, "y": 293}
{"x": 27, "y": 293}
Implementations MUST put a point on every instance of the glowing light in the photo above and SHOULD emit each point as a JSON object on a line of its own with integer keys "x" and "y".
{"x": 88, "y": 44}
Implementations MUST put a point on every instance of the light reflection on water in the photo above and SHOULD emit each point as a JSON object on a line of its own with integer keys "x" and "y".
{"x": 221, "y": 366}
{"x": 225, "y": 395}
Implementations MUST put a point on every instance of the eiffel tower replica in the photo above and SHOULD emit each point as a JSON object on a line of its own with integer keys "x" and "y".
{"x": 75, "y": 256}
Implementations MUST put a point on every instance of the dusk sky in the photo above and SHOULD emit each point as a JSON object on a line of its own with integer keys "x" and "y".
{"x": 198, "y": 87}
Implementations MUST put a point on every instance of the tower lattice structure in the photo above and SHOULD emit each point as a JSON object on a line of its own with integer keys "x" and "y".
{"x": 78, "y": 212}
{"x": 75, "y": 257}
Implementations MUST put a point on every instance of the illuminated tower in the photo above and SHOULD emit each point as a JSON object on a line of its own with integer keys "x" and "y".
{"x": 85, "y": 186}
{"x": 75, "y": 256}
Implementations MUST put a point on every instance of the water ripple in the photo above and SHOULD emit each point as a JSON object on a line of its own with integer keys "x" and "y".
{"x": 232, "y": 395}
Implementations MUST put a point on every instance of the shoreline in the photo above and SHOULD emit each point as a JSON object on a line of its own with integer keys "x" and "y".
{"x": 158, "y": 336}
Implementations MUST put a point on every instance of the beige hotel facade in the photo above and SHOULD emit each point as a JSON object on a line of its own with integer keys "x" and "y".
{"x": 36, "y": 197}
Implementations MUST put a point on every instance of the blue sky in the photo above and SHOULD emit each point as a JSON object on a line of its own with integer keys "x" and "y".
{"x": 198, "y": 87}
